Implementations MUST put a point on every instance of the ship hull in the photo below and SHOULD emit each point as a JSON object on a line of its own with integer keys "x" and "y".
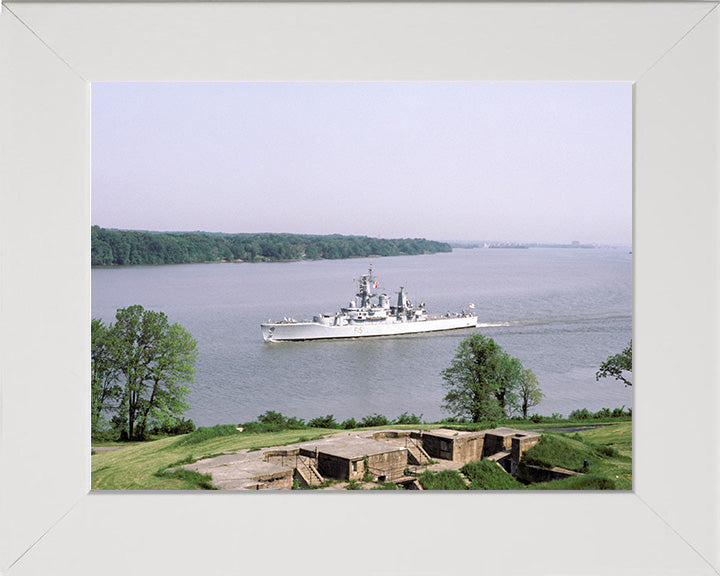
{"x": 293, "y": 331}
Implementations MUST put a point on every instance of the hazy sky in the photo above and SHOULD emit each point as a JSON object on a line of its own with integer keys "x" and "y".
{"x": 545, "y": 162}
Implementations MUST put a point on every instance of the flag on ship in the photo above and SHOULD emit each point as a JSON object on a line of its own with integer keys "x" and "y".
{"x": 471, "y": 305}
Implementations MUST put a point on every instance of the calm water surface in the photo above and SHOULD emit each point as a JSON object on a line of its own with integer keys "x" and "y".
{"x": 560, "y": 311}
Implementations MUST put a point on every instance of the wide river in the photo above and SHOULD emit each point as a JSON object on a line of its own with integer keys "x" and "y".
{"x": 560, "y": 311}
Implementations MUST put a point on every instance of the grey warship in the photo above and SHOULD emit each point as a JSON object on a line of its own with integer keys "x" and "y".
{"x": 363, "y": 317}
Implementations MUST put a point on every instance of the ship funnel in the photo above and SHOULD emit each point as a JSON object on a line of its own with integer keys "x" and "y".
{"x": 402, "y": 299}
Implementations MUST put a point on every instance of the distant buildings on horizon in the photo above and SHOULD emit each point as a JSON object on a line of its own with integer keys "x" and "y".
{"x": 505, "y": 244}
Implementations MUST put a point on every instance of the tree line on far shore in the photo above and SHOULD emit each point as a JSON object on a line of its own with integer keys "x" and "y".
{"x": 123, "y": 247}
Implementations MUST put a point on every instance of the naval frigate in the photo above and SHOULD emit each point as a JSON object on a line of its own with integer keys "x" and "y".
{"x": 363, "y": 317}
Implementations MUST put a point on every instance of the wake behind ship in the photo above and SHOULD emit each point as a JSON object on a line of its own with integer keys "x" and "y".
{"x": 364, "y": 318}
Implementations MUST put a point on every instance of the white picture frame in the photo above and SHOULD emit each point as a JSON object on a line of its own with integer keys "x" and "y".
{"x": 50, "y": 523}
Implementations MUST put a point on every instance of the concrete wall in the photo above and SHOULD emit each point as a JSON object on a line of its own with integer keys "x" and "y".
{"x": 341, "y": 468}
{"x": 277, "y": 481}
{"x": 468, "y": 448}
{"x": 520, "y": 445}
{"x": 459, "y": 448}
{"x": 495, "y": 443}
{"x": 436, "y": 446}
{"x": 391, "y": 465}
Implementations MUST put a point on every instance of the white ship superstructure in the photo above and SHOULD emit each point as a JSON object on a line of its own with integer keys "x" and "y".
{"x": 362, "y": 318}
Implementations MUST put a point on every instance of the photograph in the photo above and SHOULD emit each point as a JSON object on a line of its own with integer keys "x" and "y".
{"x": 338, "y": 286}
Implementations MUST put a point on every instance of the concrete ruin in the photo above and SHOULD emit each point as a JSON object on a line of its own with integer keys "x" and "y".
{"x": 382, "y": 456}
{"x": 504, "y": 445}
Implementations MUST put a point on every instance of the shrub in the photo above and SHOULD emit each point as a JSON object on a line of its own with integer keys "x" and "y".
{"x": 488, "y": 475}
{"x": 374, "y": 420}
{"x": 354, "y": 485}
{"x": 277, "y": 420}
{"x": 406, "y": 418}
{"x": 454, "y": 420}
{"x": 182, "y": 426}
{"x": 323, "y": 422}
{"x": 202, "y": 434}
{"x": 603, "y": 413}
{"x": 536, "y": 418}
{"x": 349, "y": 423}
{"x": 202, "y": 481}
{"x": 583, "y": 414}
{"x": 443, "y": 480}
{"x": 272, "y": 421}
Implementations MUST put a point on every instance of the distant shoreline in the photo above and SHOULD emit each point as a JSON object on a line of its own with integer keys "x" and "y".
{"x": 129, "y": 247}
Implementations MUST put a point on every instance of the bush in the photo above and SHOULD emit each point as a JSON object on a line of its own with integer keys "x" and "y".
{"x": 406, "y": 418}
{"x": 583, "y": 414}
{"x": 272, "y": 421}
{"x": 202, "y": 434}
{"x": 323, "y": 422}
{"x": 202, "y": 481}
{"x": 443, "y": 480}
{"x": 354, "y": 485}
{"x": 374, "y": 420}
{"x": 277, "y": 420}
{"x": 488, "y": 475}
{"x": 349, "y": 423}
{"x": 536, "y": 418}
{"x": 454, "y": 420}
{"x": 603, "y": 413}
{"x": 182, "y": 426}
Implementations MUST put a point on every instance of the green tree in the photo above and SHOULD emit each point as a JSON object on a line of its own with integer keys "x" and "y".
{"x": 528, "y": 392}
{"x": 105, "y": 390}
{"x": 156, "y": 360}
{"x": 508, "y": 372}
{"x": 481, "y": 380}
{"x": 617, "y": 366}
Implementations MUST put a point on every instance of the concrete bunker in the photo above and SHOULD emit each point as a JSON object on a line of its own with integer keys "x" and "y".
{"x": 381, "y": 455}
{"x": 353, "y": 458}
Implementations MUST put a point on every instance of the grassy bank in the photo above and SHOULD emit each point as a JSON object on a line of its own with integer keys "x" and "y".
{"x": 135, "y": 467}
{"x": 608, "y": 451}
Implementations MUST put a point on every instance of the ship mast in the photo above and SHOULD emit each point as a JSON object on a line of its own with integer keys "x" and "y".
{"x": 366, "y": 289}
